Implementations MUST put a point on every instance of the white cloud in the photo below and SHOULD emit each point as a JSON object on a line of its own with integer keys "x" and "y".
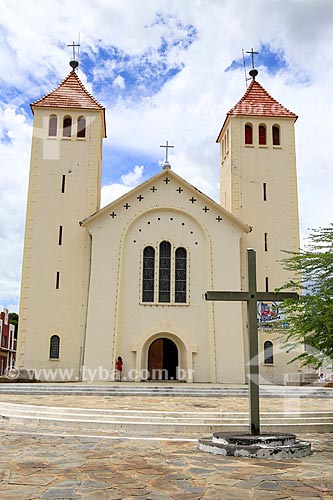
{"x": 133, "y": 178}
{"x": 188, "y": 110}
{"x": 111, "y": 192}
{"x": 14, "y": 154}
{"x": 119, "y": 82}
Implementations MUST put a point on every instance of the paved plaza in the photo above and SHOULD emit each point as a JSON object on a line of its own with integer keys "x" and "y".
{"x": 48, "y": 461}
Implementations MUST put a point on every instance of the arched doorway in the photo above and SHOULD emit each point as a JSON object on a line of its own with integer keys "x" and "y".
{"x": 162, "y": 360}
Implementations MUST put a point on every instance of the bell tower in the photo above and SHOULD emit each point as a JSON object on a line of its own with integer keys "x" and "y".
{"x": 64, "y": 188}
{"x": 259, "y": 180}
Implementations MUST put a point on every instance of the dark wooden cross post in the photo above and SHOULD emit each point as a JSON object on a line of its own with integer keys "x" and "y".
{"x": 252, "y": 297}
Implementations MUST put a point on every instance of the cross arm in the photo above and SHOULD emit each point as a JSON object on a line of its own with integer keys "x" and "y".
{"x": 276, "y": 296}
{"x": 229, "y": 296}
{"x": 245, "y": 296}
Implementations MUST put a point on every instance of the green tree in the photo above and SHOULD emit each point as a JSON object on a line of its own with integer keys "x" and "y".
{"x": 310, "y": 320}
{"x": 14, "y": 319}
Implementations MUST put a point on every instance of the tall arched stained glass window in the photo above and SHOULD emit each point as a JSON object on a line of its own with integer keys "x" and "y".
{"x": 148, "y": 274}
{"x": 164, "y": 274}
{"x": 180, "y": 275}
{"x": 268, "y": 352}
{"x": 54, "y": 347}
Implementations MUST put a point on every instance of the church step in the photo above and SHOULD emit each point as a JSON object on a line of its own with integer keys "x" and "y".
{"x": 181, "y": 390}
{"x": 161, "y": 422}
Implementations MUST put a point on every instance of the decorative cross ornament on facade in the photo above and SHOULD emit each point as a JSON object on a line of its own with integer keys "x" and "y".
{"x": 252, "y": 297}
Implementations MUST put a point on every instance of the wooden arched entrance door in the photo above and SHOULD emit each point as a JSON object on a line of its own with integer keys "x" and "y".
{"x": 162, "y": 360}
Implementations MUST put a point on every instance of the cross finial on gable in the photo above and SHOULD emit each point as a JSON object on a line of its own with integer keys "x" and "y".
{"x": 167, "y": 147}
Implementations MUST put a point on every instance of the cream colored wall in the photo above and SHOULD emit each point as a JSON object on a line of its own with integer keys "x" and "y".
{"x": 44, "y": 310}
{"x": 207, "y": 334}
{"x": 280, "y": 370}
{"x": 244, "y": 169}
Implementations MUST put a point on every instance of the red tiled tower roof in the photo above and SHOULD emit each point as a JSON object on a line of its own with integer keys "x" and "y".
{"x": 257, "y": 102}
{"x": 71, "y": 93}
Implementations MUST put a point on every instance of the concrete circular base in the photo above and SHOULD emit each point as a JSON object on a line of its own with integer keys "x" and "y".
{"x": 270, "y": 446}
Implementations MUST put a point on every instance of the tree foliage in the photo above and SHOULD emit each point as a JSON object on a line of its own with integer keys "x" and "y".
{"x": 14, "y": 319}
{"x": 310, "y": 320}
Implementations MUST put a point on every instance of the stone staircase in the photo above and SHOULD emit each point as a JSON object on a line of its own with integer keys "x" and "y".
{"x": 163, "y": 389}
{"x": 156, "y": 423}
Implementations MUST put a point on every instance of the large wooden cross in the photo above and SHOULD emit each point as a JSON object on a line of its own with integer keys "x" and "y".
{"x": 252, "y": 297}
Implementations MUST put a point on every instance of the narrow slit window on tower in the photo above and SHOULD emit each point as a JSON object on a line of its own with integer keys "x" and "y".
{"x": 248, "y": 134}
{"x": 57, "y": 280}
{"x": 53, "y": 125}
{"x": 67, "y": 127}
{"x": 148, "y": 274}
{"x": 265, "y": 242}
{"x": 264, "y": 189}
{"x": 276, "y": 135}
{"x": 63, "y": 183}
{"x": 81, "y": 127}
{"x": 54, "y": 347}
{"x": 268, "y": 353}
{"x": 266, "y": 284}
{"x": 262, "y": 135}
{"x": 60, "y": 235}
{"x": 164, "y": 272}
{"x": 180, "y": 275}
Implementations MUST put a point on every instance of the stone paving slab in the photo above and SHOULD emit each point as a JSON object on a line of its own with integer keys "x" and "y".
{"x": 39, "y": 463}
{"x": 39, "y": 468}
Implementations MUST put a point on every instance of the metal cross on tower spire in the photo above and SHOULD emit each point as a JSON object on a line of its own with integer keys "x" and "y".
{"x": 252, "y": 52}
{"x": 74, "y": 62}
{"x": 253, "y": 71}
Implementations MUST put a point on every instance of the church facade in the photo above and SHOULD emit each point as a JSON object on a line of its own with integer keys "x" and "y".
{"x": 128, "y": 279}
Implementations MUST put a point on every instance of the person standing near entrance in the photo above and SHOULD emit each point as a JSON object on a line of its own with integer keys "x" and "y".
{"x": 119, "y": 366}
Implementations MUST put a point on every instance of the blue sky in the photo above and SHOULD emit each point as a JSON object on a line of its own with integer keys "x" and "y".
{"x": 164, "y": 70}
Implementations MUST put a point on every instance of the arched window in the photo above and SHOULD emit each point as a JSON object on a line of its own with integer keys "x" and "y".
{"x": 268, "y": 352}
{"x": 276, "y": 135}
{"x": 53, "y": 125}
{"x": 67, "y": 127}
{"x": 54, "y": 347}
{"x": 180, "y": 275}
{"x": 81, "y": 126}
{"x": 262, "y": 135}
{"x": 164, "y": 274}
{"x": 148, "y": 274}
{"x": 248, "y": 134}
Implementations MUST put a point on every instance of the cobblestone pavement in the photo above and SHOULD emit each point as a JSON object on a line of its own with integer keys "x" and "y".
{"x": 36, "y": 463}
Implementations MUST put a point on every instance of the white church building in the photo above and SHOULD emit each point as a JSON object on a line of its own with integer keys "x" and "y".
{"x": 128, "y": 279}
